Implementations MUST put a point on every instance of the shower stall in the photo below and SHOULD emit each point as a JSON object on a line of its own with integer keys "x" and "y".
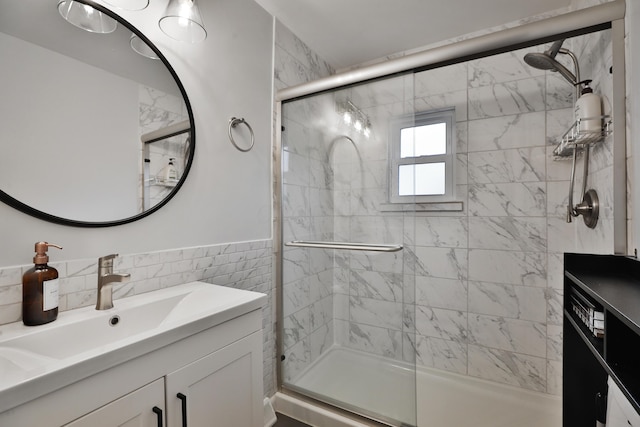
{"x": 421, "y": 220}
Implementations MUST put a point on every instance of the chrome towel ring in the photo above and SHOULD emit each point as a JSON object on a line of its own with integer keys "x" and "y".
{"x": 233, "y": 122}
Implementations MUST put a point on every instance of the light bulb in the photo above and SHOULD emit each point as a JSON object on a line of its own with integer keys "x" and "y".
{"x": 358, "y": 125}
{"x": 347, "y": 117}
{"x": 185, "y": 8}
{"x": 367, "y": 132}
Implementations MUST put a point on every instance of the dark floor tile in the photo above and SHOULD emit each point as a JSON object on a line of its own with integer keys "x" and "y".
{"x": 284, "y": 421}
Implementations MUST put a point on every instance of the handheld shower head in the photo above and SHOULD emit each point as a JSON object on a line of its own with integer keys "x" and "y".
{"x": 547, "y": 61}
{"x": 543, "y": 61}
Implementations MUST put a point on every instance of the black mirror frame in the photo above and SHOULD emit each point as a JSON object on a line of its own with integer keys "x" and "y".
{"x": 24, "y": 208}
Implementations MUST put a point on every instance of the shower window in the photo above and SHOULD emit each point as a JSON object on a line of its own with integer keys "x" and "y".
{"x": 422, "y": 157}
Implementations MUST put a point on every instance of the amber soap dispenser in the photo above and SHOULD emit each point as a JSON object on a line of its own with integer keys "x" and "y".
{"x": 40, "y": 289}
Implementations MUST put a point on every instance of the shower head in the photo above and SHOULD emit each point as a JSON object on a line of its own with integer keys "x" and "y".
{"x": 543, "y": 61}
{"x": 547, "y": 61}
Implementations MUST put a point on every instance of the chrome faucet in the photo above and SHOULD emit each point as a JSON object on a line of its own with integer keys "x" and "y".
{"x": 106, "y": 278}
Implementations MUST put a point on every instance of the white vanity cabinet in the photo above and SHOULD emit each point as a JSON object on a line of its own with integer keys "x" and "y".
{"x": 141, "y": 408}
{"x": 223, "y": 389}
{"x": 215, "y": 367}
{"x": 220, "y": 389}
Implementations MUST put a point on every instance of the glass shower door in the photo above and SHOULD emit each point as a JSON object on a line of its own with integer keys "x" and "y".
{"x": 347, "y": 282}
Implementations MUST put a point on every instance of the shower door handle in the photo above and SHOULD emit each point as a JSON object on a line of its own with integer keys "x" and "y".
{"x": 345, "y": 246}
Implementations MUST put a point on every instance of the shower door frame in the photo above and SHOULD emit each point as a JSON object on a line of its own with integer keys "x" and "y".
{"x": 605, "y": 16}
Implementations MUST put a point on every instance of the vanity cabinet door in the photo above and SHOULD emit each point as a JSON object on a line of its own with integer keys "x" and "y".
{"x": 223, "y": 389}
{"x": 141, "y": 408}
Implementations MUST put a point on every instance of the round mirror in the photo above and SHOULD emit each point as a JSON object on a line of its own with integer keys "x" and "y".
{"x": 96, "y": 128}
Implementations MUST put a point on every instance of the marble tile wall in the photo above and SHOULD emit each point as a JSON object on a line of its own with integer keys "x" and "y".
{"x": 507, "y": 196}
{"x": 508, "y": 252}
{"x": 246, "y": 265}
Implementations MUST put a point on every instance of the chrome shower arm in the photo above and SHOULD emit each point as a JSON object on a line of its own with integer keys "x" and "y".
{"x": 575, "y": 61}
{"x": 576, "y": 67}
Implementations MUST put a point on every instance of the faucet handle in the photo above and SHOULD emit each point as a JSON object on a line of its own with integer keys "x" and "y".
{"x": 106, "y": 261}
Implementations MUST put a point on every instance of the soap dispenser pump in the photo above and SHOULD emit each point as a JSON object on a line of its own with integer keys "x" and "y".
{"x": 588, "y": 110}
{"x": 40, "y": 289}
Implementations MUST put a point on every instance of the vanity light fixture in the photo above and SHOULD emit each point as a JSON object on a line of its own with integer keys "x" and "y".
{"x": 181, "y": 21}
{"x": 128, "y": 4}
{"x": 86, "y": 17}
{"x": 354, "y": 117}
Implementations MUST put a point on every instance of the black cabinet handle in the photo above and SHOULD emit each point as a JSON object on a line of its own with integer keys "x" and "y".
{"x": 183, "y": 398}
{"x": 158, "y": 412}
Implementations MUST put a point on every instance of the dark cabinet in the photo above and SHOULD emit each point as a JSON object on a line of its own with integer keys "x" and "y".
{"x": 601, "y": 334}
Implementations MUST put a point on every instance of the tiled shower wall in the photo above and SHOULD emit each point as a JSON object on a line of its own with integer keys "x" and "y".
{"x": 488, "y": 280}
{"x": 498, "y": 315}
{"x": 245, "y": 265}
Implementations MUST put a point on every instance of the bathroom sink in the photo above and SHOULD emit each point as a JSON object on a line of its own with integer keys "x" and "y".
{"x": 44, "y": 357}
{"x": 81, "y": 332}
{"x": 78, "y": 331}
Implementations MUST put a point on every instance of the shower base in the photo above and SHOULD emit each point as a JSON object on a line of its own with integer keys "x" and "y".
{"x": 444, "y": 399}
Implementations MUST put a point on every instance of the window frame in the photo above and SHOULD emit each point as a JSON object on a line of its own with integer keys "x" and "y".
{"x": 423, "y": 118}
